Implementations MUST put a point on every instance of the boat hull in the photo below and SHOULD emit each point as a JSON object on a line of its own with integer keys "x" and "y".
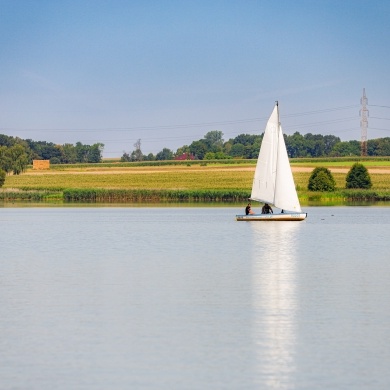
{"x": 272, "y": 217}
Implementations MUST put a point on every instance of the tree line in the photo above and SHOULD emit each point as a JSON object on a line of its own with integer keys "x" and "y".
{"x": 246, "y": 146}
{"x": 17, "y": 153}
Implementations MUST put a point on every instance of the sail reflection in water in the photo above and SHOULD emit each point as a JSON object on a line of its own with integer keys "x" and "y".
{"x": 274, "y": 300}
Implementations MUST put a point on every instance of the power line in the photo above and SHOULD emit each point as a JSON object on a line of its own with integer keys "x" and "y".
{"x": 375, "y": 128}
{"x": 332, "y": 121}
{"x": 374, "y": 105}
{"x": 177, "y": 126}
{"x": 320, "y": 111}
{"x": 385, "y": 119}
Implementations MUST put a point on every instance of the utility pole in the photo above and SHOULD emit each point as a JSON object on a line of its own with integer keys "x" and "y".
{"x": 364, "y": 123}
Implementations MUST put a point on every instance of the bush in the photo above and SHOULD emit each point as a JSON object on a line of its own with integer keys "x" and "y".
{"x": 2, "y": 177}
{"x": 358, "y": 177}
{"x": 321, "y": 179}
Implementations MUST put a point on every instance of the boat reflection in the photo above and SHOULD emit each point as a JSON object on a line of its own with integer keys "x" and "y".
{"x": 275, "y": 302}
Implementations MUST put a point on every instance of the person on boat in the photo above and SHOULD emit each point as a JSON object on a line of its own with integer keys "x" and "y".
{"x": 267, "y": 209}
{"x": 248, "y": 209}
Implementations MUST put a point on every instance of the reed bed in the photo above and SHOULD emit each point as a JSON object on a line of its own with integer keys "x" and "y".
{"x": 111, "y": 195}
{"x": 29, "y": 195}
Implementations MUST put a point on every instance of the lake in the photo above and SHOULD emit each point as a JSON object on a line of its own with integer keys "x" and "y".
{"x": 188, "y": 298}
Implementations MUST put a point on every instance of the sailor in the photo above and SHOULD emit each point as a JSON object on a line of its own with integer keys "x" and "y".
{"x": 248, "y": 209}
{"x": 266, "y": 209}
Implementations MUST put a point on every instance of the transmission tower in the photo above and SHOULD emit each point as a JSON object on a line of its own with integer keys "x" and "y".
{"x": 364, "y": 123}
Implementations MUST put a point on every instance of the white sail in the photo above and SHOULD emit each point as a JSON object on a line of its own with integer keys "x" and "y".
{"x": 263, "y": 187}
{"x": 286, "y": 197}
{"x": 273, "y": 181}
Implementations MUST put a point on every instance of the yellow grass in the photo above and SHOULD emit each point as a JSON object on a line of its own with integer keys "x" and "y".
{"x": 176, "y": 177}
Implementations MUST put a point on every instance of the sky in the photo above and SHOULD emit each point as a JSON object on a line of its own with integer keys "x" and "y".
{"x": 167, "y": 72}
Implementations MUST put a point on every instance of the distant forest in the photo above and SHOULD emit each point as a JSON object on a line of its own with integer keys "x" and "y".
{"x": 247, "y": 146}
{"x": 211, "y": 146}
{"x": 57, "y": 154}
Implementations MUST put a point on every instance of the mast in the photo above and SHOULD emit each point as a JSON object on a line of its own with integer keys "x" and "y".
{"x": 277, "y": 150}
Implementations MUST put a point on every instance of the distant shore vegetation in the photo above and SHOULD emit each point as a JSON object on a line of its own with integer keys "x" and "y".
{"x": 207, "y": 170}
{"x": 224, "y": 181}
{"x": 211, "y": 147}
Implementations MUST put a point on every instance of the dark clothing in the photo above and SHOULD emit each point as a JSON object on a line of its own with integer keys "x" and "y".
{"x": 266, "y": 209}
{"x": 247, "y": 209}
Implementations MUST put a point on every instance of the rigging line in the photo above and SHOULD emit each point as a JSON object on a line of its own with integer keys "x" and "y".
{"x": 375, "y": 128}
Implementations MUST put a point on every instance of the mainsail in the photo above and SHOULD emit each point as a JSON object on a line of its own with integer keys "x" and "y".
{"x": 273, "y": 181}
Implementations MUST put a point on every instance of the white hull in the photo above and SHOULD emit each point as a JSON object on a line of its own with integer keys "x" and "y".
{"x": 272, "y": 217}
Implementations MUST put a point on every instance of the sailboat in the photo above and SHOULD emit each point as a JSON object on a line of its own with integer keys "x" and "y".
{"x": 273, "y": 182}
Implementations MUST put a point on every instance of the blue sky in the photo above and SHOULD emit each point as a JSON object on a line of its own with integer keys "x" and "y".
{"x": 168, "y": 72}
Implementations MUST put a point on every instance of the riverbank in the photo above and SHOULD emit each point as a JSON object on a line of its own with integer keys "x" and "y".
{"x": 207, "y": 182}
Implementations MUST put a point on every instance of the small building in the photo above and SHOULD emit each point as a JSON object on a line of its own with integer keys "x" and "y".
{"x": 41, "y": 164}
{"x": 185, "y": 156}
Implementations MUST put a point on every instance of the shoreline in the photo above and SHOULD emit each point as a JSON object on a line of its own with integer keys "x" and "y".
{"x": 77, "y": 195}
{"x": 210, "y": 182}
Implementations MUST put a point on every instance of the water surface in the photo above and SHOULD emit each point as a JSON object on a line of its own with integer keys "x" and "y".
{"x": 188, "y": 298}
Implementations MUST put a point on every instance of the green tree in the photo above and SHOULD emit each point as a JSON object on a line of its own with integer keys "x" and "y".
{"x": 42, "y": 150}
{"x": 321, "y": 179}
{"x": 150, "y": 157}
{"x": 6, "y": 140}
{"x": 214, "y": 140}
{"x": 378, "y": 147}
{"x": 296, "y": 145}
{"x": 245, "y": 139}
{"x": 329, "y": 142}
{"x": 94, "y": 154}
{"x": 209, "y": 156}
{"x": 221, "y": 156}
{"x": 315, "y": 144}
{"x": 198, "y": 149}
{"x": 5, "y": 159}
{"x": 2, "y": 177}
{"x": 345, "y": 148}
{"x": 165, "y": 154}
{"x": 13, "y": 159}
{"x": 81, "y": 152}
{"x": 125, "y": 157}
{"x": 358, "y": 177}
{"x": 19, "y": 159}
{"x": 183, "y": 149}
{"x": 69, "y": 154}
{"x": 237, "y": 150}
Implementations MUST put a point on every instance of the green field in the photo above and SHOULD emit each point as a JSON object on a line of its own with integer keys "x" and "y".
{"x": 217, "y": 181}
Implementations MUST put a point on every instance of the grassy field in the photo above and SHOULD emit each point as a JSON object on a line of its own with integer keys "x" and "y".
{"x": 187, "y": 181}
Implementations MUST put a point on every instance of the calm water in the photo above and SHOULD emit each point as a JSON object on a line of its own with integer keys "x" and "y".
{"x": 188, "y": 298}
